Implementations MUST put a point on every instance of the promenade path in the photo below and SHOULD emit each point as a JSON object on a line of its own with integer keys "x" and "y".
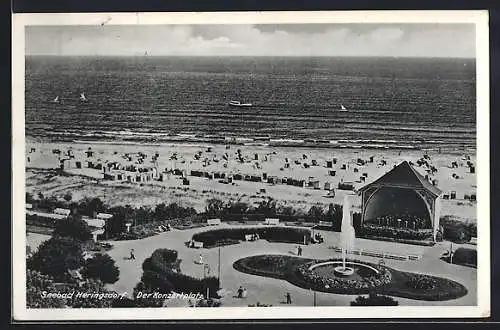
{"x": 272, "y": 291}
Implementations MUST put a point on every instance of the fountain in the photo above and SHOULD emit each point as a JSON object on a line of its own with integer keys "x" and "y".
{"x": 347, "y": 236}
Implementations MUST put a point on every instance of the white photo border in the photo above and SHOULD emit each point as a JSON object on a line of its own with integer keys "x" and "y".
{"x": 20, "y": 21}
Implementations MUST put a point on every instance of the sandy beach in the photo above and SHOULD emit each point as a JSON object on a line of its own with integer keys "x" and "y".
{"x": 245, "y": 160}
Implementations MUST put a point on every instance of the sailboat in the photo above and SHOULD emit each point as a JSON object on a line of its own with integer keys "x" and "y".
{"x": 239, "y": 104}
{"x": 83, "y": 98}
{"x": 342, "y": 108}
{"x": 56, "y": 100}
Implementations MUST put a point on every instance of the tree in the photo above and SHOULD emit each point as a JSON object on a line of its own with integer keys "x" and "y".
{"x": 237, "y": 208}
{"x": 68, "y": 197}
{"x": 36, "y": 284}
{"x": 316, "y": 212}
{"x": 121, "y": 215}
{"x": 286, "y": 210}
{"x": 102, "y": 267}
{"x": 56, "y": 256}
{"x": 29, "y": 198}
{"x": 74, "y": 227}
{"x": 143, "y": 215}
{"x": 90, "y": 206}
{"x": 267, "y": 207}
{"x": 334, "y": 214}
{"x": 49, "y": 204}
{"x": 214, "y": 207}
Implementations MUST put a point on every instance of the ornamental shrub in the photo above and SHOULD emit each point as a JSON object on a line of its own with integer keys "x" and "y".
{"x": 374, "y": 299}
{"x": 465, "y": 256}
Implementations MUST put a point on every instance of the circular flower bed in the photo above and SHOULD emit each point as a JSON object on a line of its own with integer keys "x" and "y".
{"x": 360, "y": 285}
{"x": 302, "y": 273}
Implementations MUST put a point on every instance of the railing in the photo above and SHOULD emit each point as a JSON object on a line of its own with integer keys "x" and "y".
{"x": 377, "y": 254}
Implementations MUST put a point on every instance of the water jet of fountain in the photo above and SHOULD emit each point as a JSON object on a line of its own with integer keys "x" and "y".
{"x": 347, "y": 234}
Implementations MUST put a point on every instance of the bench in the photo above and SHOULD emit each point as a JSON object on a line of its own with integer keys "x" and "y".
{"x": 325, "y": 223}
{"x": 213, "y": 222}
{"x": 271, "y": 221}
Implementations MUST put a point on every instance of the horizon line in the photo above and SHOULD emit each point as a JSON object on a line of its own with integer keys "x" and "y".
{"x": 309, "y": 56}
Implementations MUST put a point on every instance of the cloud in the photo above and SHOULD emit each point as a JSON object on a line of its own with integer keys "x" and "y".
{"x": 219, "y": 40}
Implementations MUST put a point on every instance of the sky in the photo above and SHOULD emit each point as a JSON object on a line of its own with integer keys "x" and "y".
{"x": 397, "y": 40}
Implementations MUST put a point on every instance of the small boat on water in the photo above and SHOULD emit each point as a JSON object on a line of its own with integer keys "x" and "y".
{"x": 56, "y": 100}
{"x": 342, "y": 108}
{"x": 239, "y": 104}
{"x": 83, "y": 98}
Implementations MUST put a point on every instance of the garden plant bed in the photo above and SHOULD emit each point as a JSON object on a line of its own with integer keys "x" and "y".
{"x": 211, "y": 238}
{"x": 274, "y": 266}
{"x": 399, "y": 240}
{"x": 392, "y": 282}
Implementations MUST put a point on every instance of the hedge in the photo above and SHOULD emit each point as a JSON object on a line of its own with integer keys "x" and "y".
{"x": 36, "y": 220}
{"x": 399, "y": 240}
{"x": 465, "y": 256}
{"x": 272, "y": 234}
{"x": 399, "y": 233}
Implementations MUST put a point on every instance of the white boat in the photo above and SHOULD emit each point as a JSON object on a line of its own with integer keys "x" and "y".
{"x": 56, "y": 100}
{"x": 83, "y": 98}
{"x": 239, "y": 104}
{"x": 342, "y": 108}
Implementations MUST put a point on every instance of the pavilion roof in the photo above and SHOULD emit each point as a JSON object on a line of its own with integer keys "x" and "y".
{"x": 404, "y": 176}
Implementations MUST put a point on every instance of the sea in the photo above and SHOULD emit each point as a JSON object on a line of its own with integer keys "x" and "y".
{"x": 391, "y": 103}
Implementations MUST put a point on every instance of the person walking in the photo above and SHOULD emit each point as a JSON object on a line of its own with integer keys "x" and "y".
{"x": 299, "y": 251}
{"x": 132, "y": 255}
{"x": 288, "y": 298}
{"x": 240, "y": 292}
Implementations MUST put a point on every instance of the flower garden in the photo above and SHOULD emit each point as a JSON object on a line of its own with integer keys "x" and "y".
{"x": 387, "y": 281}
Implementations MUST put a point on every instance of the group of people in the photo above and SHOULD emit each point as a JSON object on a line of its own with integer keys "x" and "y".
{"x": 254, "y": 237}
{"x": 242, "y": 292}
{"x": 411, "y": 221}
{"x": 318, "y": 238}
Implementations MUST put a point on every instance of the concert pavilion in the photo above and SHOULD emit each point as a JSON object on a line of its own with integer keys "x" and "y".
{"x": 401, "y": 198}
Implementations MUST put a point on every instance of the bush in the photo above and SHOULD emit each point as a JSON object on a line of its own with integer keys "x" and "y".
{"x": 399, "y": 233}
{"x": 128, "y": 236}
{"x": 162, "y": 260}
{"x": 374, "y": 300}
{"x": 74, "y": 227}
{"x": 36, "y": 283}
{"x": 465, "y": 256}
{"x": 164, "y": 277}
{"x": 421, "y": 282}
{"x": 457, "y": 231}
{"x": 56, "y": 256}
{"x": 35, "y": 220}
{"x": 101, "y": 267}
{"x": 273, "y": 234}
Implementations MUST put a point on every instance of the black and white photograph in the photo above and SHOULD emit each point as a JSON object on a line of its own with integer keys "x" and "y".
{"x": 250, "y": 165}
